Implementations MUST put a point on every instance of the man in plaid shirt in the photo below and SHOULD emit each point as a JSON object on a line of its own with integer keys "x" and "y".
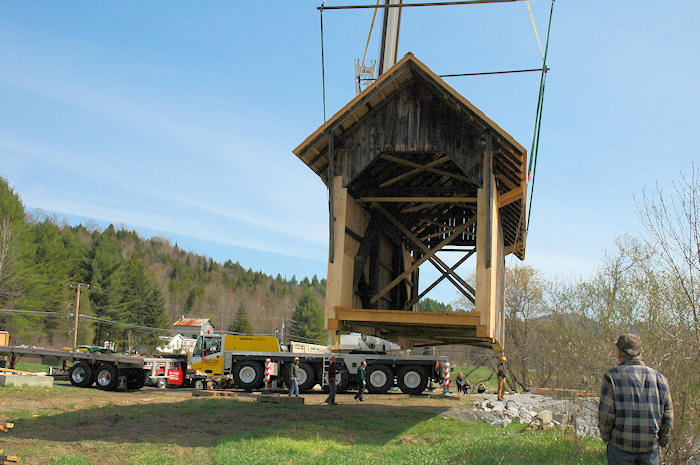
{"x": 635, "y": 412}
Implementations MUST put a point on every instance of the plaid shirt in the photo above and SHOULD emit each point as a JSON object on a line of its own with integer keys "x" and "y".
{"x": 635, "y": 412}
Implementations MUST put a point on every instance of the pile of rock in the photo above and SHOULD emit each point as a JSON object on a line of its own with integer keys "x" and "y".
{"x": 578, "y": 414}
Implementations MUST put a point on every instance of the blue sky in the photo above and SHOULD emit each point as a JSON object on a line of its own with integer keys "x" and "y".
{"x": 178, "y": 118}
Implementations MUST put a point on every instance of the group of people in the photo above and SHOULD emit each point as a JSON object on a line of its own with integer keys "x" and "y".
{"x": 332, "y": 388}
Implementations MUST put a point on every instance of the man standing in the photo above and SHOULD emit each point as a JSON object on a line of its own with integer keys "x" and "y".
{"x": 361, "y": 381}
{"x": 635, "y": 412}
{"x": 501, "y": 375}
{"x": 294, "y": 378}
{"x": 332, "y": 371}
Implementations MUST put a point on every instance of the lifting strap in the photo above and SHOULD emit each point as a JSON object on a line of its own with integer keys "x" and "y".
{"x": 532, "y": 168}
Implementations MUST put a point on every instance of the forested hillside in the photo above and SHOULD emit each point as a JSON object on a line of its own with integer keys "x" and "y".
{"x": 134, "y": 283}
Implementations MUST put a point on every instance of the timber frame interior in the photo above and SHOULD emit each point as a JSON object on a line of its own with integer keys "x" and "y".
{"x": 414, "y": 168}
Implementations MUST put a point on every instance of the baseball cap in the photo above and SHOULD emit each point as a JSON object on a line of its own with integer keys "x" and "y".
{"x": 296, "y": 359}
{"x": 630, "y": 344}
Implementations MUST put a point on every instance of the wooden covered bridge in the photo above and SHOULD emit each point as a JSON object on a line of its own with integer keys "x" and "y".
{"x": 414, "y": 168}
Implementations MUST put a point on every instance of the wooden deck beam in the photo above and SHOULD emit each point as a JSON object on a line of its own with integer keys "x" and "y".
{"x": 407, "y": 318}
{"x": 432, "y": 200}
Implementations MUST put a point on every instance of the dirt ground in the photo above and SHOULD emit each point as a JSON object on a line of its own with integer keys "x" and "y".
{"x": 66, "y": 398}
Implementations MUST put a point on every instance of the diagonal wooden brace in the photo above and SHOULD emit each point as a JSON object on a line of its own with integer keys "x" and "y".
{"x": 414, "y": 171}
{"x": 428, "y": 253}
{"x": 445, "y": 274}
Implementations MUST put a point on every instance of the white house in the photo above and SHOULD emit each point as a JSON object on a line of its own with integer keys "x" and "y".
{"x": 191, "y": 328}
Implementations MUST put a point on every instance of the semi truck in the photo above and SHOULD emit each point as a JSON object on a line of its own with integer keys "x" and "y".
{"x": 239, "y": 361}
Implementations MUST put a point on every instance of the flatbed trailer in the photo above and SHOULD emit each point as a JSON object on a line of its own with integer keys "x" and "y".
{"x": 108, "y": 371}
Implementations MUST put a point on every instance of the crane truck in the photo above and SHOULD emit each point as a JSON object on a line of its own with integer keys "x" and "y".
{"x": 239, "y": 361}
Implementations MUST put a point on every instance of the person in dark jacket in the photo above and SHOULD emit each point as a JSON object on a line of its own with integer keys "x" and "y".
{"x": 294, "y": 378}
{"x": 459, "y": 381}
{"x": 635, "y": 414}
{"x": 501, "y": 375}
{"x": 332, "y": 371}
{"x": 361, "y": 381}
{"x": 466, "y": 387}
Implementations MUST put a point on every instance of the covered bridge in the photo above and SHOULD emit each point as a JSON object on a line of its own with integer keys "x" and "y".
{"x": 414, "y": 168}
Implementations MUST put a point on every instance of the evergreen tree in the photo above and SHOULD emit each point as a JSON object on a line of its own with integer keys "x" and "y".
{"x": 11, "y": 225}
{"x": 307, "y": 319}
{"x": 133, "y": 298}
{"x": 241, "y": 324}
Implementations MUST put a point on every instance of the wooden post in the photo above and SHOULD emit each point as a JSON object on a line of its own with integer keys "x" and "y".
{"x": 336, "y": 267}
{"x": 331, "y": 207}
{"x": 487, "y": 235}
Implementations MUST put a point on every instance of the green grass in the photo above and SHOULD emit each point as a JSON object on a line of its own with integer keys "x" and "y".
{"x": 230, "y": 432}
{"x": 479, "y": 374}
{"x": 32, "y": 367}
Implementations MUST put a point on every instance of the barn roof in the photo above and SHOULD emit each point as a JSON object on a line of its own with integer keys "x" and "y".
{"x": 191, "y": 322}
{"x": 509, "y": 160}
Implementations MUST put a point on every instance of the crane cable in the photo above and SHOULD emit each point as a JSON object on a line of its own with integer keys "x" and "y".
{"x": 534, "y": 27}
{"x": 532, "y": 168}
{"x": 323, "y": 63}
{"x": 369, "y": 36}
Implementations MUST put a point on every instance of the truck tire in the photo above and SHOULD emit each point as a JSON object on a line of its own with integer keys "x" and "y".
{"x": 380, "y": 379}
{"x": 199, "y": 385}
{"x": 342, "y": 381}
{"x": 81, "y": 375}
{"x": 307, "y": 377}
{"x": 162, "y": 383}
{"x": 248, "y": 375}
{"x": 136, "y": 379}
{"x": 107, "y": 378}
{"x": 412, "y": 379}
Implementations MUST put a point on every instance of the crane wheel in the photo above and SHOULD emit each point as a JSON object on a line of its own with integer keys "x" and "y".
{"x": 412, "y": 379}
{"x": 342, "y": 381}
{"x": 380, "y": 379}
{"x": 248, "y": 375}
{"x": 307, "y": 377}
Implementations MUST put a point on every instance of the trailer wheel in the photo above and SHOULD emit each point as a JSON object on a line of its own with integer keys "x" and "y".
{"x": 81, "y": 375}
{"x": 307, "y": 377}
{"x": 380, "y": 379}
{"x": 412, "y": 379}
{"x": 136, "y": 379}
{"x": 107, "y": 378}
{"x": 248, "y": 375}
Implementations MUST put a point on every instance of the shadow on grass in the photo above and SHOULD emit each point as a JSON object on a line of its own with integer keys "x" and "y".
{"x": 206, "y": 422}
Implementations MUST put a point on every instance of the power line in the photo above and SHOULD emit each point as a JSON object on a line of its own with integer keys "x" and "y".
{"x": 408, "y": 5}
{"x": 485, "y": 73}
{"x": 89, "y": 317}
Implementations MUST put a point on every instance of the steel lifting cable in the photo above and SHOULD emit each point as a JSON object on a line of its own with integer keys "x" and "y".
{"x": 369, "y": 36}
{"x": 532, "y": 168}
{"x": 323, "y": 63}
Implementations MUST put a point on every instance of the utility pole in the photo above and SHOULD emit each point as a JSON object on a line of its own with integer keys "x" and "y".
{"x": 77, "y": 307}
